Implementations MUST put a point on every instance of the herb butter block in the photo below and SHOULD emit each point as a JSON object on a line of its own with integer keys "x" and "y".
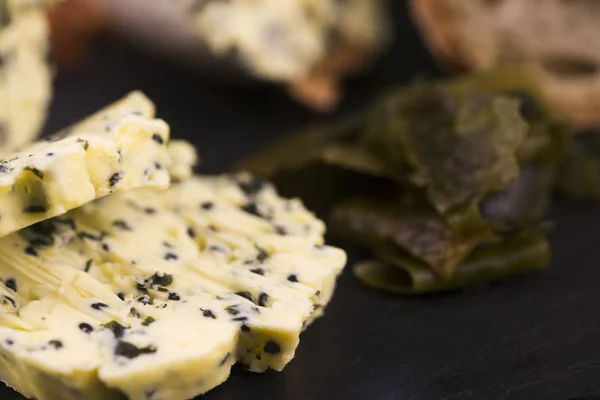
{"x": 25, "y": 76}
{"x": 66, "y": 335}
{"x": 157, "y": 299}
{"x": 285, "y": 40}
{"x": 117, "y": 149}
{"x": 210, "y": 229}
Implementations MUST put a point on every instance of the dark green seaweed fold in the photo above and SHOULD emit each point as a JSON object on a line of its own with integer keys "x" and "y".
{"x": 396, "y": 271}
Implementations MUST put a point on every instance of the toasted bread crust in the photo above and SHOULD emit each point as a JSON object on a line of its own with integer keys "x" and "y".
{"x": 554, "y": 40}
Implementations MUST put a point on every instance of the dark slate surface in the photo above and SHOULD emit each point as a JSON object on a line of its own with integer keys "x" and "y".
{"x": 536, "y": 337}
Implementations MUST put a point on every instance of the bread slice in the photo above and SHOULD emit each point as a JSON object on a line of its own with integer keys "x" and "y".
{"x": 555, "y": 40}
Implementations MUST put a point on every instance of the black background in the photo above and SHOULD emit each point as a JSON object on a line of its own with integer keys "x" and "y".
{"x": 536, "y": 337}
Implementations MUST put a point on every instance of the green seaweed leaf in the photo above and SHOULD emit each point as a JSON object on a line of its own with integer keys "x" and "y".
{"x": 460, "y": 147}
{"x": 396, "y": 271}
{"x": 421, "y": 233}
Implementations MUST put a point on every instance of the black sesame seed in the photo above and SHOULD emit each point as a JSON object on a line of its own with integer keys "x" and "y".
{"x": 149, "y": 393}
{"x": 88, "y": 265}
{"x": 86, "y": 145}
{"x": 292, "y": 278}
{"x": 57, "y": 344}
{"x": 252, "y": 208}
{"x": 281, "y": 230}
{"x": 191, "y": 233}
{"x": 99, "y": 306}
{"x": 272, "y": 347}
{"x": 318, "y": 293}
{"x": 158, "y": 166}
{"x": 246, "y": 295}
{"x": 145, "y": 299}
{"x": 117, "y": 329}
{"x": 46, "y": 228}
{"x": 134, "y": 313}
{"x": 31, "y": 251}
{"x": 207, "y": 205}
{"x": 245, "y": 328}
{"x": 35, "y": 209}
{"x": 217, "y": 249}
{"x": 233, "y": 310}
{"x": 9, "y": 342}
{"x": 240, "y": 319}
{"x": 262, "y": 255}
{"x": 90, "y": 236}
{"x": 11, "y": 284}
{"x": 161, "y": 279}
{"x": 263, "y": 299}
{"x": 158, "y": 139}
{"x": 120, "y": 224}
{"x": 130, "y": 351}
{"x": 121, "y": 296}
{"x": 174, "y": 296}
{"x": 252, "y": 187}
{"x": 212, "y": 228}
{"x": 3, "y": 168}
{"x": 49, "y": 154}
{"x": 148, "y": 321}
{"x": 116, "y": 177}
{"x": 10, "y": 300}
{"x": 208, "y": 314}
{"x": 150, "y": 211}
{"x": 142, "y": 288}
{"x": 224, "y": 360}
{"x": 35, "y": 171}
{"x": 170, "y": 256}
{"x": 105, "y": 247}
{"x": 258, "y": 271}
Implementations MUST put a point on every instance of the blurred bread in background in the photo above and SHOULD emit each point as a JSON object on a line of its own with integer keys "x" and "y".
{"x": 307, "y": 46}
{"x": 555, "y": 40}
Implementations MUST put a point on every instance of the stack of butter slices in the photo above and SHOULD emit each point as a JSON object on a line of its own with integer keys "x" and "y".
{"x": 150, "y": 293}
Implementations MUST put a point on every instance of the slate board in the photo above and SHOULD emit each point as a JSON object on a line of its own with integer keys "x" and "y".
{"x": 536, "y": 337}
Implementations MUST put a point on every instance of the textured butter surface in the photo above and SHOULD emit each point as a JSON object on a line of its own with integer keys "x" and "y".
{"x": 285, "y": 39}
{"x": 25, "y": 76}
{"x": 117, "y": 149}
{"x": 213, "y": 271}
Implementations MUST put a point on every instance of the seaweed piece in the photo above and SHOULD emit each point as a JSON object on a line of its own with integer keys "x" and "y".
{"x": 398, "y": 272}
{"x": 298, "y": 150}
{"x": 460, "y": 147}
{"x": 523, "y": 203}
{"x": 421, "y": 233}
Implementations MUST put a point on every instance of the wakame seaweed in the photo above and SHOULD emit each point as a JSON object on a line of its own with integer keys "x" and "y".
{"x": 447, "y": 182}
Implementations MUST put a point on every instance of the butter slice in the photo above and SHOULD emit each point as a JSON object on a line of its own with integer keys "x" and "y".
{"x": 25, "y": 75}
{"x": 117, "y": 149}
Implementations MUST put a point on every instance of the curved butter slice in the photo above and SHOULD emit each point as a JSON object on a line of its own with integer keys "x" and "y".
{"x": 117, "y": 149}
